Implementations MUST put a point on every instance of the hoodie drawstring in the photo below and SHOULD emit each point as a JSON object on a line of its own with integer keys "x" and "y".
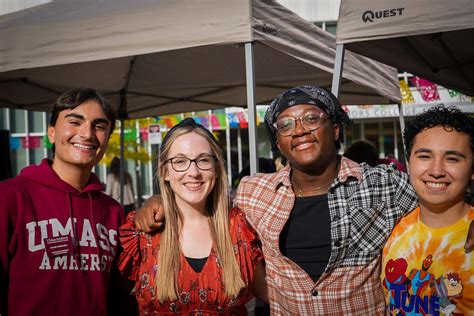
{"x": 73, "y": 223}
{"x": 93, "y": 225}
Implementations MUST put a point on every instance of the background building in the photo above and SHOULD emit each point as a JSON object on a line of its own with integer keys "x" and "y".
{"x": 376, "y": 123}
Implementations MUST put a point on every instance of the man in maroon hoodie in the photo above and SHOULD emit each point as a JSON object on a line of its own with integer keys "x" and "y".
{"x": 58, "y": 231}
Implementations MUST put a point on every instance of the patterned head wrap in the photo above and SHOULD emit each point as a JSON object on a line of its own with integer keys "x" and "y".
{"x": 317, "y": 96}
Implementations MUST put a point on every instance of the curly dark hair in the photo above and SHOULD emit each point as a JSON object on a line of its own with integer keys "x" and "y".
{"x": 439, "y": 115}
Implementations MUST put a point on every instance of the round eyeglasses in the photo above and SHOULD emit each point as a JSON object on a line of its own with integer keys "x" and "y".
{"x": 310, "y": 121}
{"x": 181, "y": 164}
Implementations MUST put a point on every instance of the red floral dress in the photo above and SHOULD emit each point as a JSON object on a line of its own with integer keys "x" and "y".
{"x": 199, "y": 293}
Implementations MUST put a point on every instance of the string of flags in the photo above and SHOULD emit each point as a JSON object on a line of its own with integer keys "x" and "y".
{"x": 220, "y": 121}
{"x": 217, "y": 121}
{"x": 29, "y": 142}
{"x": 428, "y": 91}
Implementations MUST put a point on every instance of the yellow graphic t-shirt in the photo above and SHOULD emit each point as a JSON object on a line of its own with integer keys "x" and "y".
{"x": 425, "y": 271}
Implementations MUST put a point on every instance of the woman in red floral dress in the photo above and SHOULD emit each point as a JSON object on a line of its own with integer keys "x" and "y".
{"x": 207, "y": 259}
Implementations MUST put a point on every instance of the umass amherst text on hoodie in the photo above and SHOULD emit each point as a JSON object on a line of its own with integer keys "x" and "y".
{"x": 57, "y": 245}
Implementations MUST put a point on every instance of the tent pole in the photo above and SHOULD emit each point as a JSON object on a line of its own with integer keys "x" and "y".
{"x": 122, "y": 115}
{"x": 338, "y": 66}
{"x": 251, "y": 107}
{"x": 337, "y": 77}
{"x": 402, "y": 128}
{"x": 228, "y": 149}
{"x": 122, "y": 160}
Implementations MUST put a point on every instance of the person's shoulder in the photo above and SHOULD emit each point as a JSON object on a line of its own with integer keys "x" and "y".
{"x": 16, "y": 193}
{"x": 236, "y": 214}
{"x": 239, "y": 226}
{"x": 263, "y": 178}
{"x": 110, "y": 203}
{"x": 17, "y": 184}
{"x": 383, "y": 172}
{"x": 410, "y": 218}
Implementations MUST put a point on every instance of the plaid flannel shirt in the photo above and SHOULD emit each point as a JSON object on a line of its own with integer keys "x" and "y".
{"x": 364, "y": 203}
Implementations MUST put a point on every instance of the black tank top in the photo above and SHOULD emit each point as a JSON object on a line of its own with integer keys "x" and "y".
{"x": 306, "y": 237}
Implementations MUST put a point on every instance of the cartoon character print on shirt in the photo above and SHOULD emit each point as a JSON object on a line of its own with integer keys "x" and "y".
{"x": 395, "y": 275}
{"x": 421, "y": 280}
{"x": 448, "y": 287}
{"x": 419, "y": 292}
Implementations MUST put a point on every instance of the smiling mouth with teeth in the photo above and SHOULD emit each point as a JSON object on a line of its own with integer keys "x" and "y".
{"x": 194, "y": 184}
{"x": 84, "y": 146}
{"x": 436, "y": 185}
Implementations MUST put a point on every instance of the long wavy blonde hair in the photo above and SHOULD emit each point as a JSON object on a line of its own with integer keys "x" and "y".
{"x": 218, "y": 207}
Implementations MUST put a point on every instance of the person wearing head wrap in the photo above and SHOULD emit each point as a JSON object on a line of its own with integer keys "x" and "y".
{"x": 317, "y": 96}
{"x": 323, "y": 219}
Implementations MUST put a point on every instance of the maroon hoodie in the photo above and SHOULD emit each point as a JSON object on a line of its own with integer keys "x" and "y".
{"x": 57, "y": 244}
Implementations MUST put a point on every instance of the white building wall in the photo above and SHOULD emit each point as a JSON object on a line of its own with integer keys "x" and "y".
{"x": 314, "y": 10}
{"x": 10, "y": 6}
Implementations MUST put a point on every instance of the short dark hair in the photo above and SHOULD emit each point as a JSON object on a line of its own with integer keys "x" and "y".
{"x": 448, "y": 117}
{"x": 73, "y": 98}
{"x": 362, "y": 151}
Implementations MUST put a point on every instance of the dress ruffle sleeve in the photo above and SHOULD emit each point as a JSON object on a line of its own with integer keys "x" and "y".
{"x": 247, "y": 244}
{"x": 130, "y": 259}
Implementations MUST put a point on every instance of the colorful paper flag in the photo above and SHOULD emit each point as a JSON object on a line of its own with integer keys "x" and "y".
{"x": 243, "y": 122}
{"x": 35, "y": 141}
{"x": 215, "y": 122}
{"x": 130, "y": 134}
{"x": 233, "y": 120}
{"x": 427, "y": 89}
{"x": 222, "y": 120}
{"x": 204, "y": 121}
{"x": 144, "y": 133}
{"x": 453, "y": 93}
{"x": 25, "y": 142}
{"x": 173, "y": 119}
{"x": 407, "y": 96}
{"x": 14, "y": 143}
{"x": 46, "y": 143}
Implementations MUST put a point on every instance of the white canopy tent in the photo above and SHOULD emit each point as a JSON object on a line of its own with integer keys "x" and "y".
{"x": 160, "y": 57}
{"x": 433, "y": 39}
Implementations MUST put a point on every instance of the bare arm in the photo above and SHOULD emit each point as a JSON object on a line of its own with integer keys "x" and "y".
{"x": 150, "y": 217}
{"x": 259, "y": 284}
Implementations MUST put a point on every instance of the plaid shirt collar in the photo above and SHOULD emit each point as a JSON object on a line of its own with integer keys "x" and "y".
{"x": 347, "y": 169}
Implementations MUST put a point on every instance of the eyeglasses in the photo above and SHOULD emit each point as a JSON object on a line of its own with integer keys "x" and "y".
{"x": 310, "y": 121}
{"x": 180, "y": 164}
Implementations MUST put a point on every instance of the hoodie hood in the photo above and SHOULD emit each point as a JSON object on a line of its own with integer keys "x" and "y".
{"x": 45, "y": 175}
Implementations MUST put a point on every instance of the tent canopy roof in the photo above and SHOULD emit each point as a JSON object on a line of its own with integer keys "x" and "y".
{"x": 433, "y": 39}
{"x": 167, "y": 57}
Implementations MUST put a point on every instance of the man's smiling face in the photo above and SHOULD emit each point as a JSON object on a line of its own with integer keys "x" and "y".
{"x": 80, "y": 135}
{"x": 440, "y": 166}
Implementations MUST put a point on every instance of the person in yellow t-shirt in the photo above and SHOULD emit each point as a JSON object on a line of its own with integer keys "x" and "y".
{"x": 425, "y": 269}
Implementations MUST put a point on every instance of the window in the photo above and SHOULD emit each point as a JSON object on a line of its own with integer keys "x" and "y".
{"x": 330, "y": 26}
{"x": 17, "y": 121}
{"x": 36, "y": 122}
{"x": 3, "y": 123}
